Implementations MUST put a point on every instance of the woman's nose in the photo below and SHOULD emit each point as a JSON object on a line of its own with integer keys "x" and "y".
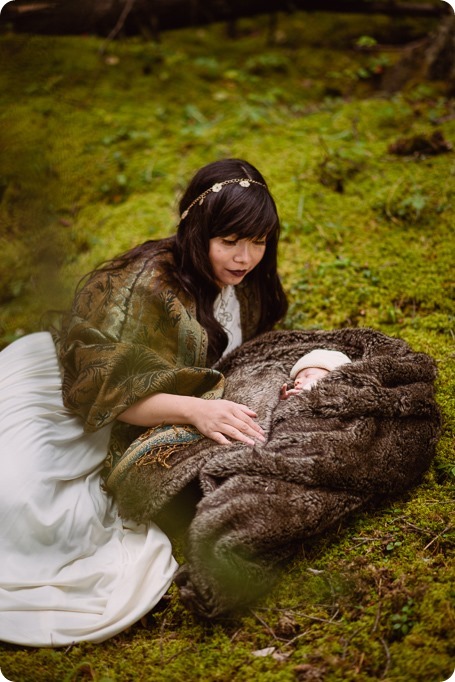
{"x": 242, "y": 254}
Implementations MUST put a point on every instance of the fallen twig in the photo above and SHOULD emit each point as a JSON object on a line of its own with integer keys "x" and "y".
{"x": 268, "y": 628}
{"x": 438, "y": 536}
{"x": 388, "y": 657}
{"x": 119, "y": 25}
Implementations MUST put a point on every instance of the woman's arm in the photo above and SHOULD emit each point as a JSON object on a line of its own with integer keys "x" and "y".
{"x": 127, "y": 338}
{"x": 215, "y": 419}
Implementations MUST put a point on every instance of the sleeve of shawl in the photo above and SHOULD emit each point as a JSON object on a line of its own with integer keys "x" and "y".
{"x": 126, "y": 340}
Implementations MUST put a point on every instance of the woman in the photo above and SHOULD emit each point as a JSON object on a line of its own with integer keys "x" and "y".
{"x": 135, "y": 352}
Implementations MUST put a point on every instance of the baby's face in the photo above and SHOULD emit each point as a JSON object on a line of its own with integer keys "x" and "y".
{"x": 309, "y": 376}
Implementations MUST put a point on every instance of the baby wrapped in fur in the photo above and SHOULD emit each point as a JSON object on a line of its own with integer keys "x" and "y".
{"x": 365, "y": 432}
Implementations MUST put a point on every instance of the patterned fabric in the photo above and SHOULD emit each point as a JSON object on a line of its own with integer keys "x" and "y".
{"x": 128, "y": 336}
{"x": 155, "y": 445}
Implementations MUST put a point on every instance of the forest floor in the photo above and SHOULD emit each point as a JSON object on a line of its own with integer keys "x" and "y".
{"x": 98, "y": 141}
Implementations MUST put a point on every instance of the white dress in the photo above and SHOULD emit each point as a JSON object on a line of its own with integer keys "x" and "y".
{"x": 70, "y": 569}
{"x": 226, "y": 310}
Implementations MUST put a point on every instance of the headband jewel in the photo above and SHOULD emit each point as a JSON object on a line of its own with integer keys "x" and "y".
{"x": 243, "y": 182}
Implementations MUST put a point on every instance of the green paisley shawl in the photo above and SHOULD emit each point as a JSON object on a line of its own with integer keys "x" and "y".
{"x": 129, "y": 335}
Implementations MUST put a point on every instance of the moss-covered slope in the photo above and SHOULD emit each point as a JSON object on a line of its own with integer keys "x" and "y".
{"x": 98, "y": 141}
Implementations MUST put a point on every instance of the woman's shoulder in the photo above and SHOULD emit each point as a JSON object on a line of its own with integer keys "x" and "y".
{"x": 134, "y": 273}
{"x": 142, "y": 260}
{"x": 157, "y": 253}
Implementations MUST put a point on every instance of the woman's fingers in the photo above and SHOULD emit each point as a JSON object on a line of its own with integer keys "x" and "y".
{"x": 246, "y": 417}
{"x": 219, "y": 438}
{"x": 238, "y": 434}
{"x": 233, "y": 433}
{"x": 243, "y": 430}
{"x": 223, "y": 419}
{"x": 245, "y": 409}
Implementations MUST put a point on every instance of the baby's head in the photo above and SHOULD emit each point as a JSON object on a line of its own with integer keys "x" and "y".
{"x": 315, "y": 365}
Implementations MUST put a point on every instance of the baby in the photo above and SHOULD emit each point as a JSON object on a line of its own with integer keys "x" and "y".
{"x": 310, "y": 368}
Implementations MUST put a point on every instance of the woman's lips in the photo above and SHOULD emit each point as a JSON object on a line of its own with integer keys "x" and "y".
{"x": 238, "y": 273}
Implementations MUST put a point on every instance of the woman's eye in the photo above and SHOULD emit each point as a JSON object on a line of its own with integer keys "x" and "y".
{"x": 260, "y": 242}
{"x": 230, "y": 242}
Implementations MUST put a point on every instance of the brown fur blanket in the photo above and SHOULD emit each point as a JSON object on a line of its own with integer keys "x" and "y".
{"x": 367, "y": 431}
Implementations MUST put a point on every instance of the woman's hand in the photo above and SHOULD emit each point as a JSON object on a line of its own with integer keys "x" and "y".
{"x": 223, "y": 419}
{"x": 216, "y": 419}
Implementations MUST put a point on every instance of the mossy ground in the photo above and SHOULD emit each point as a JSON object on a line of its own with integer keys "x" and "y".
{"x": 98, "y": 141}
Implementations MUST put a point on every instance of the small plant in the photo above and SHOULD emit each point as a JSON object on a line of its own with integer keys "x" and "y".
{"x": 369, "y": 67}
{"x": 340, "y": 165}
{"x": 374, "y": 67}
{"x": 405, "y": 204}
{"x": 403, "y": 621}
{"x": 412, "y": 206}
{"x": 115, "y": 189}
{"x": 208, "y": 67}
{"x": 366, "y": 42}
{"x": 267, "y": 63}
{"x": 446, "y": 471}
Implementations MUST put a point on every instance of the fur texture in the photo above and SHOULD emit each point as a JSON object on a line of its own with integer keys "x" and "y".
{"x": 365, "y": 432}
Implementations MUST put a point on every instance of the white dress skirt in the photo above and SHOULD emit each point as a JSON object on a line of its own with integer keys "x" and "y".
{"x": 70, "y": 569}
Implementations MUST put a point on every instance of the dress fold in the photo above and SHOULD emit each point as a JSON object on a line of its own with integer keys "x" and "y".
{"x": 71, "y": 569}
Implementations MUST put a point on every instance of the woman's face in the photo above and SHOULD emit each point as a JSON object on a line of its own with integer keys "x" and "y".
{"x": 232, "y": 258}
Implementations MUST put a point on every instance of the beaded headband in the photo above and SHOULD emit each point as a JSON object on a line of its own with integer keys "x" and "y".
{"x": 243, "y": 182}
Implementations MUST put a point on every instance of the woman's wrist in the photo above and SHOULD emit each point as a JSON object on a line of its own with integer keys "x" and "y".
{"x": 162, "y": 408}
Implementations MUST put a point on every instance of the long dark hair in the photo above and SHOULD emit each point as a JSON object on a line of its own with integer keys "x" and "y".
{"x": 247, "y": 212}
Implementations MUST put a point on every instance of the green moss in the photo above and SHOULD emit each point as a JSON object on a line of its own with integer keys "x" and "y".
{"x": 99, "y": 141}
